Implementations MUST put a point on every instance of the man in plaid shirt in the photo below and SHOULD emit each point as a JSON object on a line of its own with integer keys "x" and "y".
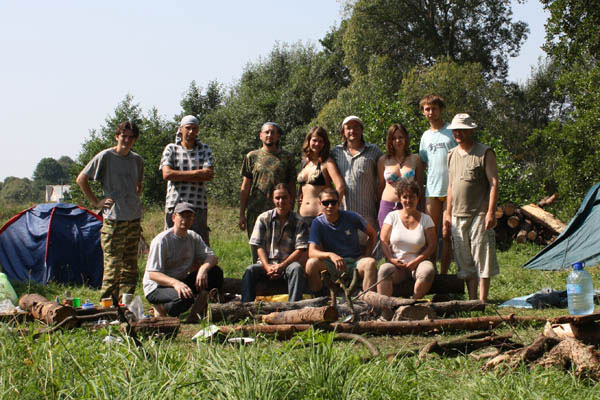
{"x": 186, "y": 165}
{"x": 281, "y": 238}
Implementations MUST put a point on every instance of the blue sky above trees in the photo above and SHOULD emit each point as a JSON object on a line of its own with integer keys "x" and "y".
{"x": 68, "y": 64}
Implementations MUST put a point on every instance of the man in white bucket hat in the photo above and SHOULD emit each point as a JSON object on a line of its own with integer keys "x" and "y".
{"x": 469, "y": 216}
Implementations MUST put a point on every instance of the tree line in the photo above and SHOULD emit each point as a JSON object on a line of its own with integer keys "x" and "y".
{"x": 377, "y": 63}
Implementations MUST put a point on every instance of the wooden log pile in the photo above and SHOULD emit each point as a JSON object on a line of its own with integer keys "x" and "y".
{"x": 528, "y": 223}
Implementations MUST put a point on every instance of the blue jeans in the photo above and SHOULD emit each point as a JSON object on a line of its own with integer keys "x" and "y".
{"x": 294, "y": 274}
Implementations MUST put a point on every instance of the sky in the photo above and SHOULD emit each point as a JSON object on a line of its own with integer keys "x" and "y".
{"x": 65, "y": 65}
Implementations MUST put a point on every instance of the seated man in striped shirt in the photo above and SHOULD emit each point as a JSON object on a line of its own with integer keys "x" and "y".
{"x": 281, "y": 239}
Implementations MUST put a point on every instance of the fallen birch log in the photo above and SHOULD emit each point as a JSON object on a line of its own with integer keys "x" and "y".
{"x": 387, "y": 328}
{"x": 309, "y": 315}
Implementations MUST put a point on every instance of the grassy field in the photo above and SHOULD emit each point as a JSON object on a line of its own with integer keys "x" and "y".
{"x": 78, "y": 365}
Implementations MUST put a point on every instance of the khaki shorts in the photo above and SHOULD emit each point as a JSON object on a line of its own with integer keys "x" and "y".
{"x": 474, "y": 248}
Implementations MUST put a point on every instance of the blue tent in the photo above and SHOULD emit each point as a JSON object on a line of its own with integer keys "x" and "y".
{"x": 53, "y": 242}
{"x": 580, "y": 241}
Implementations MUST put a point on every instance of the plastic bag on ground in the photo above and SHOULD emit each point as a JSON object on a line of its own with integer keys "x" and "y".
{"x": 6, "y": 290}
{"x": 6, "y": 306}
{"x": 137, "y": 308}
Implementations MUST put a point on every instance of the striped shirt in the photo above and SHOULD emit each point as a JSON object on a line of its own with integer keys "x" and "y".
{"x": 279, "y": 241}
{"x": 360, "y": 174}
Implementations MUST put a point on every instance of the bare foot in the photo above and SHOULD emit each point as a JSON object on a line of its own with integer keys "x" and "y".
{"x": 199, "y": 308}
{"x": 159, "y": 310}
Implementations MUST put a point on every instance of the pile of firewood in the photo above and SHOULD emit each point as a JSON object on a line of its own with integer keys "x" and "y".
{"x": 529, "y": 223}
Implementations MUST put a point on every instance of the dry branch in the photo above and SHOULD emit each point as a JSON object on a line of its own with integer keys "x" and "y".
{"x": 387, "y": 328}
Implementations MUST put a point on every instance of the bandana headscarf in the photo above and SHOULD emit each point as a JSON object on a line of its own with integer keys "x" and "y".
{"x": 187, "y": 120}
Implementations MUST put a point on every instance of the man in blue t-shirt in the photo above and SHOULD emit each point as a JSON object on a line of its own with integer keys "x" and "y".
{"x": 334, "y": 244}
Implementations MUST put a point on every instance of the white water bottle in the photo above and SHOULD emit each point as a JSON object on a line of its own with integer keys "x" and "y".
{"x": 580, "y": 291}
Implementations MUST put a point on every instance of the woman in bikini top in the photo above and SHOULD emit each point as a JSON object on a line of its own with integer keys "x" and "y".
{"x": 318, "y": 172}
{"x": 397, "y": 163}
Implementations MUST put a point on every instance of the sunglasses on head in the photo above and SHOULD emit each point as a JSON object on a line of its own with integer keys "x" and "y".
{"x": 329, "y": 202}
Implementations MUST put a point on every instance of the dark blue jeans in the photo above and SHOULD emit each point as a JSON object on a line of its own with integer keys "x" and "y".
{"x": 294, "y": 274}
{"x": 175, "y": 305}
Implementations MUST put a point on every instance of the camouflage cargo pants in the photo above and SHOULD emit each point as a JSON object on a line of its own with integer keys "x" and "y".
{"x": 120, "y": 240}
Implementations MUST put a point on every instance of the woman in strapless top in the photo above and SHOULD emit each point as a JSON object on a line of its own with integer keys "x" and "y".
{"x": 398, "y": 162}
{"x": 318, "y": 172}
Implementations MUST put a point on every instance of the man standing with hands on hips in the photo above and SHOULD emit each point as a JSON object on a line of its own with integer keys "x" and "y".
{"x": 120, "y": 171}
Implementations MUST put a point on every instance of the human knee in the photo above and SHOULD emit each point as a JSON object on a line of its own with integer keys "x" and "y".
{"x": 367, "y": 264}
{"x": 294, "y": 268}
{"x": 425, "y": 271}
{"x": 386, "y": 271}
{"x": 314, "y": 266}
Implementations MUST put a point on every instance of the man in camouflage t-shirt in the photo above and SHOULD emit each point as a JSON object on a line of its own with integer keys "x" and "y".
{"x": 261, "y": 171}
{"x": 186, "y": 165}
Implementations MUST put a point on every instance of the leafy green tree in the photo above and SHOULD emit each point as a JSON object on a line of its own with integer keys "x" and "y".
{"x": 416, "y": 33}
{"x": 49, "y": 172}
{"x": 199, "y": 104}
{"x": 288, "y": 87}
{"x": 571, "y": 143}
{"x": 18, "y": 191}
{"x": 67, "y": 165}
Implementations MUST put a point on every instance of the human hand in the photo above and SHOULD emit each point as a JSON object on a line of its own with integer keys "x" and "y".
{"x": 397, "y": 262}
{"x": 273, "y": 271}
{"x": 412, "y": 265}
{"x": 205, "y": 174}
{"x": 242, "y": 223}
{"x": 183, "y": 290}
{"x": 490, "y": 220}
{"x": 447, "y": 225}
{"x": 106, "y": 202}
{"x": 202, "y": 278}
{"x": 338, "y": 262}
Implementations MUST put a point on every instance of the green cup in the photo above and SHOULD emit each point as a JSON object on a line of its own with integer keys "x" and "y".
{"x": 76, "y": 302}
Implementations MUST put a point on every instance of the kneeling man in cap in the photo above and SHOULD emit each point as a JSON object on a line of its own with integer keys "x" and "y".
{"x": 180, "y": 268}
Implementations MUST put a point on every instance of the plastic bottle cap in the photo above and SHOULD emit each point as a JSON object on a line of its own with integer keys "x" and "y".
{"x": 578, "y": 266}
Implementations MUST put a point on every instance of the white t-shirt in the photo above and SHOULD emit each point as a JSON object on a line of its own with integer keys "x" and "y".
{"x": 174, "y": 256}
{"x": 406, "y": 243}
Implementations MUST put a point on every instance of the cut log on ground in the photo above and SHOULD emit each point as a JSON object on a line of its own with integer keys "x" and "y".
{"x": 309, "y": 315}
{"x": 414, "y": 313}
{"x": 544, "y": 218}
{"x": 499, "y": 212}
{"x": 168, "y": 326}
{"x": 509, "y": 209}
{"x": 387, "y": 328}
{"x": 513, "y": 221}
{"x": 236, "y": 311}
{"x": 442, "y": 284}
{"x": 48, "y": 311}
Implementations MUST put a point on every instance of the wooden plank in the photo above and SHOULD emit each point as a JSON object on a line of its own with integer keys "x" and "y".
{"x": 543, "y": 217}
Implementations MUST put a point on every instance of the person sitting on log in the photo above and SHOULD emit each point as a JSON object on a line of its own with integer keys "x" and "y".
{"x": 408, "y": 238}
{"x": 181, "y": 268}
{"x": 281, "y": 239}
{"x": 334, "y": 244}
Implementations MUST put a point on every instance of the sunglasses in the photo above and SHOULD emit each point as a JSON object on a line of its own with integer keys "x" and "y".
{"x": 327, "y": 203}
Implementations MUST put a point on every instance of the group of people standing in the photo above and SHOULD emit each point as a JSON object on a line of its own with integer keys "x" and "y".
{"x": 354, "y": 203}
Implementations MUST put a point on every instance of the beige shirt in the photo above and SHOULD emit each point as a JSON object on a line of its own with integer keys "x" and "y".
{"x": 470, "y": 186}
